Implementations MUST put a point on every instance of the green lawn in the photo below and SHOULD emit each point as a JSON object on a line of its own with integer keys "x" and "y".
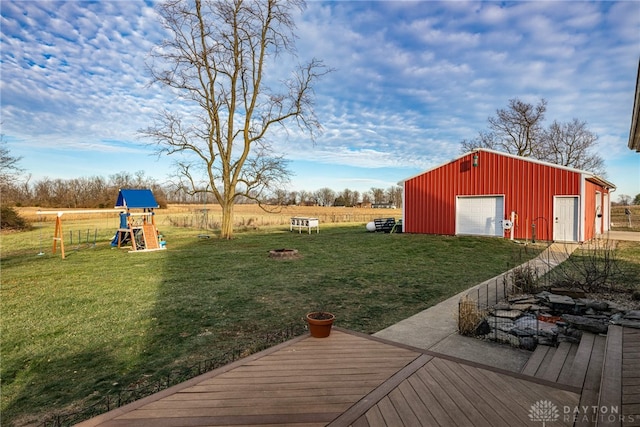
{"x": 103, "y": 319}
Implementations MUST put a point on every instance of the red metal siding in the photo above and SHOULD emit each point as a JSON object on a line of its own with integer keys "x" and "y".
{"x": 528, "y": 190}
{"x": 590, "y": 217}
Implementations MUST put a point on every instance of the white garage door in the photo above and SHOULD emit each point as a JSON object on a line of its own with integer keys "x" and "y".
{"x": 480, "y": 215}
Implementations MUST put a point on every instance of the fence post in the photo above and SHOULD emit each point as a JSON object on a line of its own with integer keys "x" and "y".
{"x": 486, "y": 290}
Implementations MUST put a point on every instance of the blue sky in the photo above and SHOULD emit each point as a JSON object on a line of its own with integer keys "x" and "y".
{"x": 411, "y": 80}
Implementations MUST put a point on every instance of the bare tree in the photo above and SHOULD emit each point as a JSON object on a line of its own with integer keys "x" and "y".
{"x": 218, "y": 61}
{"x": 518, "y": 130}
{"x": 305, "y": 197}
{"x": 366, "y": 197}
{"x": 514, "y": 130}
{"x": 483, "y": 140}
{"x": 379, "y": 195}
{"x": 325, "y": 196}
{"x": 9, "y": 168}
{"x": 346, "y": 197}
{"x": 624, "y": 199}
{"x": 394, "y": 194}
{"x": 571, "y": 144}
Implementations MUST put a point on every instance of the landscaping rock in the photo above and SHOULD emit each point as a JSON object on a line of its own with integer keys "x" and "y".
{"x": 502, "y": 306}
{"x": 597, "y": 305}
{"x": 528, "y": 343}
{"x": 566, "y": 338}
{"x": 551, "y": 342}
{"x": 527, "y": 321}
{"x": 521, "y": 306}
{"x": 482, "y": 328}
{"x": 523, "y": 332}
{"x": 596, "y": 326}
{"x": 500, "y": 323}
{"x": 552, "y": 317}
{"x": 627, "y": 323}
{"x": 560, "y": 300}
{"x": 523, "y": 299}
{"x": 632, "y": 315}
{"x": 570, "y": 292}
{"x": 509, "y": 314}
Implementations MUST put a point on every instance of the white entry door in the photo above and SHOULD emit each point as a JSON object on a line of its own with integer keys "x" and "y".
{"x": 565, "y": 215}
{"x": 480, "y": 215}
{"x": 598, "y": 216}
{"x": 605, "y": 212}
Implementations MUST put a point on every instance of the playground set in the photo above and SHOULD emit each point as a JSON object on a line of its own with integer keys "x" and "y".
{"x": 137, "y": 229}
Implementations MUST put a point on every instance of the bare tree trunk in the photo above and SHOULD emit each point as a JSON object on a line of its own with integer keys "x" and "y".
{"x": 226, "y": 228}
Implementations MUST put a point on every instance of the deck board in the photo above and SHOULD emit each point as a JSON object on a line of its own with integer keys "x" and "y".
{"x": 307, "y": 380}
{"x": 591, "y": 387}
{"x": 631, "y": 377}
{"x": 581, "y": 360}
{"x": 533, "y": 364}
{"x": 611, "y": 382}
{"x": 567, "y": 368}
{"x": 557, "y": 362}
{"x": 348, "y": 379}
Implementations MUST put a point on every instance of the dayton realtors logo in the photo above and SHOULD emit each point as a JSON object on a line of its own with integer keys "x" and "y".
{"x": 545, "y": 411}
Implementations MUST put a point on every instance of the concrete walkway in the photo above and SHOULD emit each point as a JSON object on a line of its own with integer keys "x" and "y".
{"x": 436, "y": 327}
{"x": 629, "y": 236}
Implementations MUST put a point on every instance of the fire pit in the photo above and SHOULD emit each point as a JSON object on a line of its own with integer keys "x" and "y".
{"x": 283, "y": 253}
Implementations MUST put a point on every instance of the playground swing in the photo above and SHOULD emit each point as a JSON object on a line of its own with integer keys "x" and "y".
{"x": 138, "y": 229}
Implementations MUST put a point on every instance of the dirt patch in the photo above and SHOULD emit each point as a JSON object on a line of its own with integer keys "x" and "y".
{"x": 283, "y": 254}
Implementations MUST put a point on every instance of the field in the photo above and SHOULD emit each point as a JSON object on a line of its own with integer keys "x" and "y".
{"x": 245, "y": 216}
{"x": 620, "y": 221}
{"x": 104, "y": 320}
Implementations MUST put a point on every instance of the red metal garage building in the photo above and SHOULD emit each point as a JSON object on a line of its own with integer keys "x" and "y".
{"x": 488, "y": 193}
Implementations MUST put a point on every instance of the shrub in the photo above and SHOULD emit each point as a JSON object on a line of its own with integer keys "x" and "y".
{"x": 593, "y": 267}
{"x": 469, "y": 316}
{"x": 11, "y": 220}
{"x": 525, "y": 279}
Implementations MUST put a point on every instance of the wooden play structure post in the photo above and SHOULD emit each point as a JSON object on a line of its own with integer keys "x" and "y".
{"x": 57, "y": 235}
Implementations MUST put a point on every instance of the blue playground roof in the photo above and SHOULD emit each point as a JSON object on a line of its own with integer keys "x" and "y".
{"x": 140, "y": 199}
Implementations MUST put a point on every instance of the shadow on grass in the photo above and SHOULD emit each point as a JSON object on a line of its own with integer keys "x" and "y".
{"x": 208, "y": 301}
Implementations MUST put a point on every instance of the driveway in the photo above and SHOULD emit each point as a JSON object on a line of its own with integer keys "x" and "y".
{"x": 629, "y": 236}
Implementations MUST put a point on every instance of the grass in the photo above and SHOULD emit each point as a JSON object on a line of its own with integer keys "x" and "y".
{"x": 103, "y": 319}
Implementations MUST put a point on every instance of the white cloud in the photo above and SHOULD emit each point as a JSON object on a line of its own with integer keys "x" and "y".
{"x": 411, "y": 79}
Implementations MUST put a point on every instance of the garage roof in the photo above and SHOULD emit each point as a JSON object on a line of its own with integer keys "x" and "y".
{"x": 588, "y": 175}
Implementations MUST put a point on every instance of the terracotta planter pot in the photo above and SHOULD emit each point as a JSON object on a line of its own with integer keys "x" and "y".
{"x": 320, "y": 323}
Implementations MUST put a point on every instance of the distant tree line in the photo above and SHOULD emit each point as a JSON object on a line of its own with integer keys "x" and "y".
{"x": 100, "y": 192}
{"x": 87, "y": 192}
{"x": 626, "y": 200}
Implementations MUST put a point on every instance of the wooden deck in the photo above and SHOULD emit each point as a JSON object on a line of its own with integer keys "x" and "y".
{"x": 348, "y": 379}
{"x": 631, "y": 377}
{"x": 605, "y": 368}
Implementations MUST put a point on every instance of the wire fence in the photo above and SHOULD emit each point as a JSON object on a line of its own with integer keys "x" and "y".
{"x": 484, "y": 311}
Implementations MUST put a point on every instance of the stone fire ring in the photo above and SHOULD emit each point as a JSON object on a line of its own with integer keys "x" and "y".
{"x": 283, "y": 253}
